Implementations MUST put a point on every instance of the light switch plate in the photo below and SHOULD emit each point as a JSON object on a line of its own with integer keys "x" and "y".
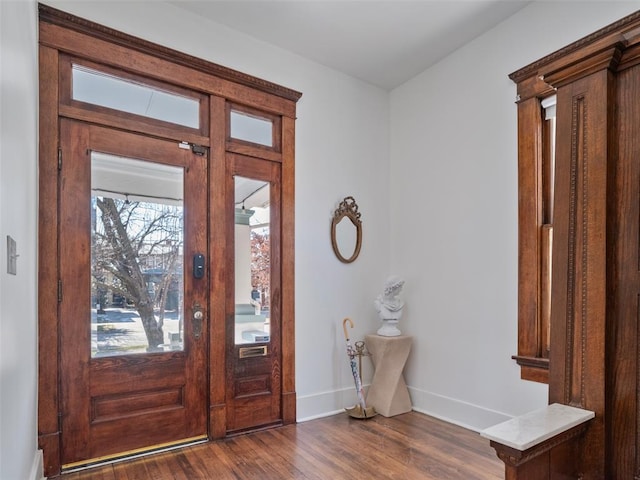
{"x": 12, "y": 256}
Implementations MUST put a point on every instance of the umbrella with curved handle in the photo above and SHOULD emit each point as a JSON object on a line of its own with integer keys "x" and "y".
{"x": 354, "y": 367}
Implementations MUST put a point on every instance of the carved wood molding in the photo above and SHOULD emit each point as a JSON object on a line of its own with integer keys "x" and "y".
{"x": 71, "y": 22}
{"x": 614, "y": 47}
{"x": 536, "y": 362}
{"x": 630, "y": 57}
{"x": 577, "y": 258}
{"x": 615, "y": 33}
{"x": 562, "y": 73}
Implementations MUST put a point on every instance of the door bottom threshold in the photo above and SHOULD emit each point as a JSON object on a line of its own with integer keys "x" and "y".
{"x": 131, "y": 454}
{"x": 259, "y": 428}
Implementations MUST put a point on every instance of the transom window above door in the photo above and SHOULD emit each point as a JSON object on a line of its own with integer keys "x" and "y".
{"x": 254, "y": 132}
{"x": 251, "y": 128}
{"x": 90, "y": 90}
{"x": 99, "y": 88}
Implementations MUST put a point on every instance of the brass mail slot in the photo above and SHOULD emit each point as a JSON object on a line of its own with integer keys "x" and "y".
{"x": 248, "y": 352}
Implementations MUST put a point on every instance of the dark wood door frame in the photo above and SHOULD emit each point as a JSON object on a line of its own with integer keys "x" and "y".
{"x": 62, "y": 34}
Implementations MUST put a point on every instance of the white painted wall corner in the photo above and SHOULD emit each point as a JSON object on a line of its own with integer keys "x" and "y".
{"x": 463, "y": 414}
{"x": 325, "y": 404}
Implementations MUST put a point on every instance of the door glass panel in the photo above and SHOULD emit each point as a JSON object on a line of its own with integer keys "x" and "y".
{"x": 252, "y": 261}
{"x": 251, "y": 128}
{"x": 137, "y": 238}
{"x": 99, "y": 88}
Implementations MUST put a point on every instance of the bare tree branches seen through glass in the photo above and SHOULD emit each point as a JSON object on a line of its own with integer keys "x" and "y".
{"x": 136, "y": 273}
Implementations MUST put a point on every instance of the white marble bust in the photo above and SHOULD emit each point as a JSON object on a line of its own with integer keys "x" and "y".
{"x": 389, "y": 306}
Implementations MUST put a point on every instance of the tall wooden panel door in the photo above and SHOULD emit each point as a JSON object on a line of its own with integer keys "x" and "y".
{"x": 132, "y": 293}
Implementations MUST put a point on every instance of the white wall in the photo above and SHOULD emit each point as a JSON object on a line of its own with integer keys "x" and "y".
{"x": 18, "y": 210}
{"x": 454, "y": 213}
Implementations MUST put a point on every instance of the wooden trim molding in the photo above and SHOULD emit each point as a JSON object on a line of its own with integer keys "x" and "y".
{"x": 577, "y": 256}
{"x": 530, "y": 356}
{"x": 621, "y": 32}
{"x": 288, "y": 272}
{"x": 48, "y": 329}
{"x": 578, "y": 324}
{"x": 70, "y": 22}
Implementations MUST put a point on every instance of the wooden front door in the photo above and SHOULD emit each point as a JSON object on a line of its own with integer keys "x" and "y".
{"x": 132, "y": 293}
{"x": 136, "y": 299}
{"x": 253, "y": 306}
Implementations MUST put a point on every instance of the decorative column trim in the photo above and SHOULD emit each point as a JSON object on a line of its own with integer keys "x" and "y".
{"x": 577, "y": 254}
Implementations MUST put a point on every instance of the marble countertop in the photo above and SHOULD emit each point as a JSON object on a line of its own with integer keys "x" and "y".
{"x": 528, "y": 430}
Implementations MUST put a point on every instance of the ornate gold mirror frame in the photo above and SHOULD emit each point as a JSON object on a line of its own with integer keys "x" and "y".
{"x": 348, "y": 209}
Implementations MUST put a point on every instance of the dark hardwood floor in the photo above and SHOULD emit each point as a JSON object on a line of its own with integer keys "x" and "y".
{"x": 409, "y": 446}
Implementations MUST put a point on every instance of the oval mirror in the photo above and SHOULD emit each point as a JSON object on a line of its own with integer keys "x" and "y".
{"x": 346, "y": 231}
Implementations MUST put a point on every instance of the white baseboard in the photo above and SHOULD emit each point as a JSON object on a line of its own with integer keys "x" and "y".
{"x": 37, "y": 467}
{"x": 463, "y": 414}
{"x": 325, "y": 404}
{"x": 457, "y": 412}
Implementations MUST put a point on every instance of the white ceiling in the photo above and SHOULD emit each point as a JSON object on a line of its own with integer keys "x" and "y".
{"x": 382, "y": 42}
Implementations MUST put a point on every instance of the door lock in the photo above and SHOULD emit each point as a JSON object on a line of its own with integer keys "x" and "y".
{"x": 198, "y": 318}
{"x": 198, "y": 265}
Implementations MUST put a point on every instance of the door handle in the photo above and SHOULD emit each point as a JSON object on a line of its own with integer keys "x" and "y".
{"x": 198, "y": 319}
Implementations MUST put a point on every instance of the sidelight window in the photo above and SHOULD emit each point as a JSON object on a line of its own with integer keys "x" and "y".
{"x": 252, "y": 261}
